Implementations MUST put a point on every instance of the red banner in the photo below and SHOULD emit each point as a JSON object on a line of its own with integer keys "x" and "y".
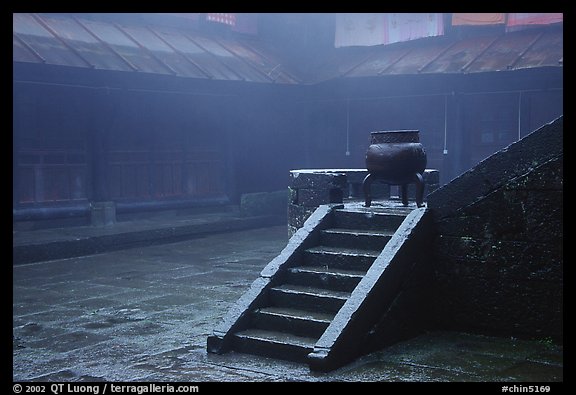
{"x": 474, "y": 19}
{"x": 519, "y": 19}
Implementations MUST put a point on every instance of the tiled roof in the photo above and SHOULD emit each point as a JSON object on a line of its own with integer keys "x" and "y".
{"x": 60, "y": 39}
{"x": 536, "y": 47}
{"x": 71, "y": 41}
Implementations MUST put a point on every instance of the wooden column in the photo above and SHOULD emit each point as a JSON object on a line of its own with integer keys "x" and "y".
{"x": 103, "y": 114}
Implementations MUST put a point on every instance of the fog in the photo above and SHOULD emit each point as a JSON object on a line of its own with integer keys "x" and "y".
{"x": 181, "y": 107}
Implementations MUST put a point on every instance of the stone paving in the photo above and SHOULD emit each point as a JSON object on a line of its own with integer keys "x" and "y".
{"x": 143, "y": 314}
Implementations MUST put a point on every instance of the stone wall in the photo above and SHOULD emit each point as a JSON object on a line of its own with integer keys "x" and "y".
{"x": 264, "y": 204}
{"x": 499, "y": 249}
{"x": 309, "y": 189}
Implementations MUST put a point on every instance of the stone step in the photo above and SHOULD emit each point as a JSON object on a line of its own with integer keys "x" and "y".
{"x": 356, "y": 238}
{"x": 307, "y": 298}
{"x": 323, "y": 277}
{"x": 368, "y": 220}
{"x": 337, "y": 257}
{"x": 289, "y": 320}
{"x": 273, "y": 344}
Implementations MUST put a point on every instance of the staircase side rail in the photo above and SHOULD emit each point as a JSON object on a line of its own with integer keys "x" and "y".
{"x": 498, "y": 169}
{"x": 237, "y": 317}
{"x": 344, "y": 338}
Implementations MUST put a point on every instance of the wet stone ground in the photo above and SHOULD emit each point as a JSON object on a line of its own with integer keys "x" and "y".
{"x": 144, "y": 314}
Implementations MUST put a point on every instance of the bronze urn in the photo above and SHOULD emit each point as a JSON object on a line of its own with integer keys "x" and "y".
{"x": 396, "y": 157}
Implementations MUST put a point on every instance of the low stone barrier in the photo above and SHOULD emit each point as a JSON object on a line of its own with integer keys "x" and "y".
{"x": 310, "y": 188}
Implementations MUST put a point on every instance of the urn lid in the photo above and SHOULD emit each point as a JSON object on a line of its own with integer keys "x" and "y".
{"x": 396, "y": 131}
{"x": 395, "y": 136}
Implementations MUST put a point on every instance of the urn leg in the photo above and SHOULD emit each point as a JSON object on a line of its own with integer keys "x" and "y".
{"x": 419, "y": 190}
{"x": 366, "y": 186}
{"x": 405, "y": 194}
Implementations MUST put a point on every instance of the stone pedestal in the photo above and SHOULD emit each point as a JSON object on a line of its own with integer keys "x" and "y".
{"x": 310, "y": 188}
{"x": 102, "y": 213}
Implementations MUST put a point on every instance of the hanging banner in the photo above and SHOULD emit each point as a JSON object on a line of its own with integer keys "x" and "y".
{"x": 359, "y": 29}
{"x": 406, "y": 26}
{"x": 227, "y": 19}
{"x": 519, "y": 19}
{"x": 474, "y": 19}
{"x": 378, "y": 29}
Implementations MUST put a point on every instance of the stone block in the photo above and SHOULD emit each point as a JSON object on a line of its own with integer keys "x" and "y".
{"x": 264, "y": 203}
{"x": 297, "y": 215}
{"x": 516, "y": 215}
{"x": 103, "y": 213}
{"x": 548, "y": 176}
{"x": 315, "y": 197}
{"x": 522, "y": 308}
{"x": 431, "y": 176}
{"x": 509, "y": 260}
{"x": 317, "y": 180}
{"x": 292, "y": 195}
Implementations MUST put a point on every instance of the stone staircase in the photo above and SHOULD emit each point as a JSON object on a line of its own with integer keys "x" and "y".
{"x": 304, "y": 297}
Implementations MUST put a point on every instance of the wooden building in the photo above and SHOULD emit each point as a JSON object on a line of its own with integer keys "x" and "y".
{"x": 157, "y": 111}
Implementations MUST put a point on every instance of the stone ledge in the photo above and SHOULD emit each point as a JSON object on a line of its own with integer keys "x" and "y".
{"x": 96, "y": 244}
